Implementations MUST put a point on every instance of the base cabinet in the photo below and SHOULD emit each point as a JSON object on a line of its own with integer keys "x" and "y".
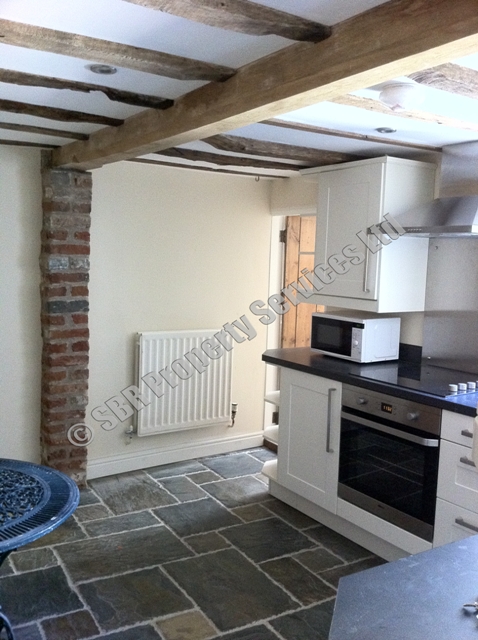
{"x": 457, "y": 503}
{"x": 309, "y": 437}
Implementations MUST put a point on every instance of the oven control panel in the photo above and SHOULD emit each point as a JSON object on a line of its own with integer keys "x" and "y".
{"x": 406, "y": 412}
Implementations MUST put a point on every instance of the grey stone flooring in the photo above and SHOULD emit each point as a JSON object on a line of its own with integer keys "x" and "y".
{"x": 196, "y": 550}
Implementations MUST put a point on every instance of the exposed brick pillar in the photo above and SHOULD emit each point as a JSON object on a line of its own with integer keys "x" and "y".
{"x": 64, "y": 263}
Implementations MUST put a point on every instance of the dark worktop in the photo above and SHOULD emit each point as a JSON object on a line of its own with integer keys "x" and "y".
{"x": 384, "y": 377}
{"x": 418, "y": 598}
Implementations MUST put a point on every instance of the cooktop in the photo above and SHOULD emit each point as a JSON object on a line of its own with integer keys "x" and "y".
{"x": 426, "y": 378}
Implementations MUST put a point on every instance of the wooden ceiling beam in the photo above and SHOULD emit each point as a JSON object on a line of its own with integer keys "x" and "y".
{"x": 348, "y": 135}
{"x": 45, "y": 131}
{"x": 394, "y": 39}
{"x": 243, "y": 16}
{"x": 312, "y": 157}
{"x": 112, "y": 53}
{"x": 54, "y": 113}
{"x": 251, "y": 174}
{"x": 450, "y": 77}
{"x": 423, "y": 116}
{"x": 224, "y": 160}
{"x": 117, "y": 95}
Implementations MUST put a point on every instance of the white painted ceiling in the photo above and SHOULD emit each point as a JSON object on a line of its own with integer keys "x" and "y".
{"x": 123, "y": 22}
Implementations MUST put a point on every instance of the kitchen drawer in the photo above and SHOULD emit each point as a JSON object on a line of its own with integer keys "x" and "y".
{"x": 457, "y": 476}
{"x": 453, "y": 523}
{"x": 457, "y": 428}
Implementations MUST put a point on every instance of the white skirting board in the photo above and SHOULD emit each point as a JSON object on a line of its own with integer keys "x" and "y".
{"x": 153, "y": 457}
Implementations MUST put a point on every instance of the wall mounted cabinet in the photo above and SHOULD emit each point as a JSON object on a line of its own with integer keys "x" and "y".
{"x": 352, "y": 198}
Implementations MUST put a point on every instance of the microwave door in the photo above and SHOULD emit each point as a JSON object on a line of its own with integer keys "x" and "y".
{"x": 332, "y": 336}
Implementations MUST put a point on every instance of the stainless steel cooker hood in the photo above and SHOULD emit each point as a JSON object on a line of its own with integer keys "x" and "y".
{"x": 444, "y": 217}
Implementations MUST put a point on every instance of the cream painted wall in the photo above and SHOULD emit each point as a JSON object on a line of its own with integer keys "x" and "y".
{"x": 174, "y": 249}
{"x": 20, "y": 339}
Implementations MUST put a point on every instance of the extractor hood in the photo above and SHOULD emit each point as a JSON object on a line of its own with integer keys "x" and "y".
{"x": 444, "y": 217}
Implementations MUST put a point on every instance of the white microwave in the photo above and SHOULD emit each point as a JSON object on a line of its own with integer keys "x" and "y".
{"x": 356, "y": 339}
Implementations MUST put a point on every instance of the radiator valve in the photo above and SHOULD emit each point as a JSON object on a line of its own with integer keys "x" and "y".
{"x": 129, "y": 434}
{"x": 233, "y": 413}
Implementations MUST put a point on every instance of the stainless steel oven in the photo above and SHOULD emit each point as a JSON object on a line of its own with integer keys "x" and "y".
{"x": 389, "y": 458}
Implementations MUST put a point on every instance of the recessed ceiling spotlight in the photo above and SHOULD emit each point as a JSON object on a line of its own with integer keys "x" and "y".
{"x": 386, "y": 130}
{"x": 102, "y": 69}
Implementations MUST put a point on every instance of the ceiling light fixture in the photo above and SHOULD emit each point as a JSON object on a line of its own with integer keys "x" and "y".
{"x": 102, "y": 69}
{"x": 386, "y": 130}
{"x": 401, "y": 96}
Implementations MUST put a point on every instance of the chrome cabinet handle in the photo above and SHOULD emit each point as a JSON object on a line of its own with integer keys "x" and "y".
{"x": 466, "y": 524}
{"x": 467, "y": 433}
{"x": 365, "y": 272}
{"x": 328, "y": 447}
{"x": 466, "y": 460}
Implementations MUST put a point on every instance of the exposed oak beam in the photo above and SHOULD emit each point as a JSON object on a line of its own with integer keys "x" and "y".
{"x": 53, "y": 113}
{"x": 312, "y": 157}
{"x": 349, "y": 135}
{"x": 223, "y": 160}
{"x": 243, "y": 16}
{"x": 128, "y": 97}
{"x": 21, "y": 143}
{"x": 391, "y": 40}
{"x": 450, "y": 77}
{"x": 424, "y": 116}
{"x": 113, "y": 53}
{"x": 213, "y": 169}
{"x": 45, "y": 131}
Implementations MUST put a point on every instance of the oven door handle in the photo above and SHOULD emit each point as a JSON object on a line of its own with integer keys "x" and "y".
{"x": 403, "y": 435}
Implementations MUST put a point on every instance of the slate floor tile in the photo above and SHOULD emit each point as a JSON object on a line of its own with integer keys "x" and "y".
{"x": 33, "y": 559}
{"x": 73, "y": 626}
{"x": 131, "y": 492}
{"x": 298, "y": 581}
{"x": 109, "y": 555}
{"x": 133, "y": 597}
{"x": 289, "y": 514}
{"x": 196, "y": 517}
{"x": 203, "y": 476}
{"x": 87, "y": 496}
{"x": 176, "y": 469}
{"x": 318, "y": 560}
{"x": 192, "y": 625}
{"x": 252, "y": 512}
{"x": 45, "y": 593}
{"x": 91, "y": 512}
{"x": 262, "y": 454}
{"x": 69, "y": 531}
{"x": 117, "y": 524}
{"x": 29, "y": 632}
{"x": 141, "y": 632}
{"x": 307, "y": 624}
{"x": 206, "y": 542}
{"x": 238, "y": 491}
{"x": 230, "y": 590}
{"x": 183, "y": 489}
{"x": 266, "y": 539}
{"x": 343, "y": 547}
{"x": 333, "y": 575}
{"x": 6, "y": 567}
{"x": 234, "y": 465}
{"x": 252, "y": 633}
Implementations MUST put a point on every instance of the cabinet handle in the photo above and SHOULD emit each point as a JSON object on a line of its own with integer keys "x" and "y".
{"x": 328, "y": 448}
{"x": 466, "y": 524}
{"x": 466, "y": 460}
{"x": 365, "y": 272}
{"x": 467, "y": 433}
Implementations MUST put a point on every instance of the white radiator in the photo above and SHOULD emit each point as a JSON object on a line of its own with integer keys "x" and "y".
{"x": 201, "y": 400}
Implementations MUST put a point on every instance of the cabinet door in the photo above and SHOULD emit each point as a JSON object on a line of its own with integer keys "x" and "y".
{"x": 457, "y": 476}
{"x": 453, "y": 523}
{"x": 349, "y": 201}
{"x": 309, "y": 434}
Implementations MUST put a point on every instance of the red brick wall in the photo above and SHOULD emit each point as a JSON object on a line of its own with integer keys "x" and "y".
{"x": 64, "y": 263}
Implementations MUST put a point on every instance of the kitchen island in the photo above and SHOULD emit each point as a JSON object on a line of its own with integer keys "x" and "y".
{"x": 416, "y": 598}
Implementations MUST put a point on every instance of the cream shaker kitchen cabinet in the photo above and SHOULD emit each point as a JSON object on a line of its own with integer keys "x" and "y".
{"x": 352, "y": 198}
{"x": 457, "y": 503}
{"x": 309, "y": 434}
